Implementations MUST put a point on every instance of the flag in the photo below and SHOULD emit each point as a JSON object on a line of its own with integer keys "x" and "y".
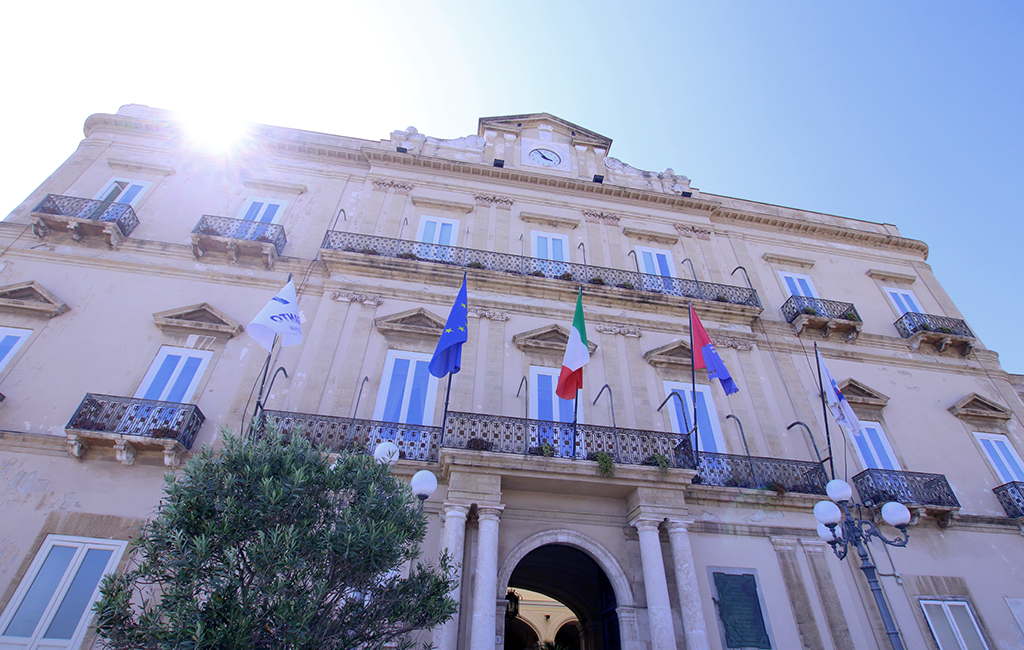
{"x": 280, "y": 316}
{"x": 448, "y": 354}
{"x": 577, "y": 355}
{"x": 841, "y": 409}
{"x": 706, "y": 356}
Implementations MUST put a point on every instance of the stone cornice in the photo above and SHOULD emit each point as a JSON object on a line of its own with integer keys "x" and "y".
{"x": 139, "y": 167}
{"x": 891, "y": 276}
{"x": 786, "y": 260}
{"x": 549, "y": 220}
{"x": 441, "y": 204}
{"x": 650, "y": 235}
{"x": 274, "y": 186}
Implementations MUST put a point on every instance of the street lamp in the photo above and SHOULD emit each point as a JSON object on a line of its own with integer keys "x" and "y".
{"x": 840, "y": 529}
{"x": 386, "y": 453}
{"x": 423, "y": 484}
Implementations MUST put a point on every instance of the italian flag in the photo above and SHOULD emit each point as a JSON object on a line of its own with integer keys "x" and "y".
{"x": 577, "y": 355}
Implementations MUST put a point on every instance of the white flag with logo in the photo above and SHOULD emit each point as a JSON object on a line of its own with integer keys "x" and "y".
{"x": 280, "y": 316}
{"x": 841, "y": 409}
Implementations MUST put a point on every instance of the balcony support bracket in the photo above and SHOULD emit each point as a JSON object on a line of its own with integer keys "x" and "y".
{"x": 77, "y": 446}
{"x": 124, "y": 451}
{"x": 173, "y": 453}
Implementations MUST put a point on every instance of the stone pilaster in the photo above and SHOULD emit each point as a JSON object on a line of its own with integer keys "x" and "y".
{"x": 690, "y": 607}
{"x": 815, "y": 551}
{"x": 799, "y": 601}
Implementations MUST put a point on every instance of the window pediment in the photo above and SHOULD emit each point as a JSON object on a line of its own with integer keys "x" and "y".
{"x": 415, "y": 322}
{"x": 31, "y": 298}
{"x": 862, "y": 394}
{"x": 550, "y": 338}
{"x": 197, "y": 319}
{"x": 672, "y": 355}
{"x": 549, "y": 220}
{"x": 976, "y": 406}
{"x": 650, "y": 235}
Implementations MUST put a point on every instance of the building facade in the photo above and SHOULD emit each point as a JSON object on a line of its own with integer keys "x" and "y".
{"x": 127, "y": 277}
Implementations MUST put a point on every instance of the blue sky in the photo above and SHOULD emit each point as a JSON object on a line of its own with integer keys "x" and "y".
{"x": 907, "y": 113}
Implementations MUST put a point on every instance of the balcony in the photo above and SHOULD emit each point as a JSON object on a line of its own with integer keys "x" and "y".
{"x": 939, "y": 331}
{"x": 131, "y": 425}
{"x": 83, "y": 218}
{"x": 531, "y": 266}
{"x": 1011, "y": 496}
{"x": 335, "y": 434}
{"x": 238, "y": 238}
{"x": 756, "y": 473}
{"x": 922, "y": 493}
{"x": 826, "y": 316}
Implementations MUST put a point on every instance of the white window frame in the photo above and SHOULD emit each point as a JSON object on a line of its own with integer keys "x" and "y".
{"x": 281, "y": 207}
{"x": 946, "y": 606}
{"x": 1005, "y": 457}
{"x": 440, "y": 221}
{"x": 100, "y": 196}
{"x": 385, "y": 386}
{"x": 534, "y": 243}
{"x": 82, "y": 545}
{"x": 22, "y": 335}
{"x": 554, "y": 373}
{"x": 680, "y": 427}
{"x": 654, "y": 252}
{"x": 712, "y": 570}
{"x": 860, "y": 438}
{"x": 903, "y": 293}
{"x": 154, "y": 369}
{"x": 797, "y": 277}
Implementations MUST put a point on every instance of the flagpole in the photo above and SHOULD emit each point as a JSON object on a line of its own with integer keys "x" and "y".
{"x": 263, "y": 380}
{"x": 444, "y": 418}
{"x": 824, "y": 410}
{"x": 693, "y": 393}
{"x": 575, "y": 409}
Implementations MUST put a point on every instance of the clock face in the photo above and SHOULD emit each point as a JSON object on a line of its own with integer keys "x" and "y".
{"x": 545, "y": 158}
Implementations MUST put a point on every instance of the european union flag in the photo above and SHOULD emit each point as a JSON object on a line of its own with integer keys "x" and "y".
{"x": 448, "y": 355}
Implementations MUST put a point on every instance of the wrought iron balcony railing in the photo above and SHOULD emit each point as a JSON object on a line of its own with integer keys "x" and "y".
{"x": 755, "y": 472}
{"x": 522, "y": 265}
{"x": 333, "y": 434}
{"x": 74, "y": 207}
{"x": 878, "y": 486}
{"x": 1011, "y": 496}
{"x": 797, "y": 305}
{"x": 141, "y": 418}
{"x": 910, "y": 324}
{"x": 240, "y": 229}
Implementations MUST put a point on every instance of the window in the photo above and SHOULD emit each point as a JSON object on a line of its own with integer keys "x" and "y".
{"x": 904, "y": 301}
{"x": 798, "y": 285}
{"x": 52, "y": 605}
{"x": 435, "y": 233}
{"x": 656, "y": 265}
{"x": 873, "y": 447}
{"x": 953, "y": 625}
{"x": 550, "y": 247}
{"x": 408, "y": 390}
{"x": 122, "y": 190}
{"x": 174, "y": 375}
{"x": 11, "y": 340}
{"x": 1002, "y": 455}
{"x": 547, "y": 406}
{"x": 262, "y": 210}
{"x": 707, "y": 417}
{"x": 740, "y": 606}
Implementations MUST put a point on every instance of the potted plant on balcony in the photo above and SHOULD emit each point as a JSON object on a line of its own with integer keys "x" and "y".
{"x": 810, "y": 311}
{"x": 625, "y": 285}
{"x": 850, "y": 315}
{"x": 597, "y": 281}
{"x": 659, "y": 460}
{"x": 475, "y": 265}
{"x": 408, "y": 255}
{"x": 538, "y": 274}
{"x": 566, "y": 276}
{"x": 478, "y": 444}
{"x": 605, "y": 462}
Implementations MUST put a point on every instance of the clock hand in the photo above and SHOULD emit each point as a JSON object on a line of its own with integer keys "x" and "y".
{"x": 544, "y": 156}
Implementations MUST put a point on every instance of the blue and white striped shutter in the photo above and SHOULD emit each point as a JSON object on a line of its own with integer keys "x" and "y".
{"x": 262, "y": 211}
{"x": 547, "y": 405}
{"x": 904, "y": 300}
{"x": 873, "y": 447}
{"x": 707, "y": 417}
{"x": 174, "y": 375}
{"x": 656, "y": 263}
{"x": 408, "y": 390}
{"x": 11, "y": 340}
{"x": 799, "y": 285}
{"x": 1003, "y": 457}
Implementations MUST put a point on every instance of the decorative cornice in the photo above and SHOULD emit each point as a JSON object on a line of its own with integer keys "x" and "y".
{"x": 726, "y": 342}
{"x": 688, "y": 230}
{"x": 274, "y": 186}
{"x": 490, "y": 314}
{"x": 549, "y": 220}
{"x": 139, "y": 167}
{"x": 441, "y": 204}
{"x": 31, "y": 298}
{"x": 597, "y": 216}
{"x": 619, "y": 329}
{"x": 366, "y": 299}
{"x": 977, "y": 406}
{"x": 786, "y": 260}
{"x": 492, "y": 199}
{"x": 384, "y": 185}
{"x": 891, "y": 276}
{"x": 649, "y": 235}
{"x": 822, "y": 230}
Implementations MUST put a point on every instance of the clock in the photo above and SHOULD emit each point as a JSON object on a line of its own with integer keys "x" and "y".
{"x": 545, "y": 157}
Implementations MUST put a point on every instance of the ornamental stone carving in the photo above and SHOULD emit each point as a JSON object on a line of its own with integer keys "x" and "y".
{"x": 384, "y": 185}
{"x": 490, "y": 314}
{"x": 366, "y": 299}
{"x": 619, "y": 329}
{"x": 739, "y": 344}
{"x": 494, "y": 199}
{"x": 597, "y": 216}
{"x": 687, "y": 230}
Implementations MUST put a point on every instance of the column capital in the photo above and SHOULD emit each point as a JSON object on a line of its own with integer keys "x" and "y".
{"x": 814, "y": 545}
{"x": 784, "y": 542}
{"x": 489, "y": 510}
{"x": 456, "y": 510}
{"x": 678, "y": 525}
{"x": 645, "y": 523}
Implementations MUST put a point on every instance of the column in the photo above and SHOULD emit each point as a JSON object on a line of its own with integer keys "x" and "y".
{"x": 690, "y": 607}
{"x": 447, "y": 636}
{"x": 483, "y": 629}
{"x": 659, "y": 612}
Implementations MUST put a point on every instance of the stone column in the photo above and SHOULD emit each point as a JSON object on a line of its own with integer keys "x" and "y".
{"x": 659, "y": 611}
{"x": 483, "y": 628}
{"x": 690, "y": 607}
{"x": 447, "y": 636}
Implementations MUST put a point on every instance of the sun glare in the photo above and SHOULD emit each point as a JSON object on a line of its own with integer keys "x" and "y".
{"x": 212, "y": 132}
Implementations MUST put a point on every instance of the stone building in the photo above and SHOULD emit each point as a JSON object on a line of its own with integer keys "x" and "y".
{"x": 127, "y": 277}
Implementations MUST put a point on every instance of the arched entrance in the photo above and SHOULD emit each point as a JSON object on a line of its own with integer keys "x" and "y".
{"x": 570, "y": 576}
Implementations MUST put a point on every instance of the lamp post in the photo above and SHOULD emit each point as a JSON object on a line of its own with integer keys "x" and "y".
{"x": 423, "y": 485}
{"x": 838, "y": 527}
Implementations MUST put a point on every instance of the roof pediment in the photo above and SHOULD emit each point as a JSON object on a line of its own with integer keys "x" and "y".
{"x": 550, "y": 338}
{"x": 862, "y": 394}
{"x": 31, "y": 298}
{"x": 198, "y": 319}
{"x": 571, "y": 132}
{"x": 672, "y": 355}
{"x": 976, "y": 406}
{"x": 415, "y": 322}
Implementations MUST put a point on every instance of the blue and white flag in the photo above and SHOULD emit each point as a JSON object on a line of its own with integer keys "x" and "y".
{"x": 836, "y": 402}
{"x": 280, "y": 316}
{"x": 448, "y": 355}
